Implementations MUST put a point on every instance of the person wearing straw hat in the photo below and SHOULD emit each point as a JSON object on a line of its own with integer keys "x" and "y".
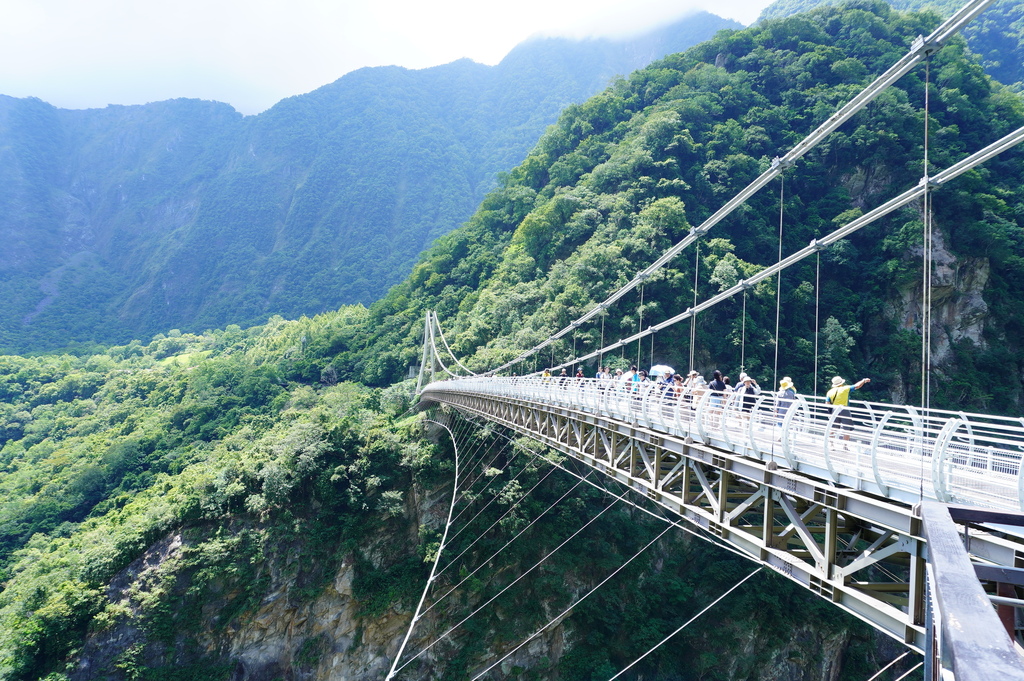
{"x": 839, "y": 398}
{"x": 784, "y": 397}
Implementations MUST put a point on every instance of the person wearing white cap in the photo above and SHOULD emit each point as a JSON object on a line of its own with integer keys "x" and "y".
{"x": 839, "y": 398}
{"x": 689, "y": 385}
{"x": 700, "y": 387}
{"x": 749, "y": 388}
{"x": 784, "y": 397}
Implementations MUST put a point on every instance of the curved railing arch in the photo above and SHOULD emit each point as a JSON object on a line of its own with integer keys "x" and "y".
{"x": 896, "y": 451}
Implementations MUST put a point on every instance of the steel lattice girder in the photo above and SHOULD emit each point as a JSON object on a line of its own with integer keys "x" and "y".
{"x": 863, "y": 553}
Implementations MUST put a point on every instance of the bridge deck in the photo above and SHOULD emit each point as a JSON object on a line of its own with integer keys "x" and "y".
{"x": 778, "y": 480}
{"x": 899, "y": 452}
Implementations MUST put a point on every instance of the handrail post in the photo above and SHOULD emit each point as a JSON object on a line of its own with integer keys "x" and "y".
{"x": 939, "y": 478}
{"x": 1020, "y": 479}
{"x": 826, "y": 449}
{"x": 875, "y": 437}
{"x": 787, "y": 422}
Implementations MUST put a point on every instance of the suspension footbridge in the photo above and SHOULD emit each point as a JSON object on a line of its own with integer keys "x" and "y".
{"x": 859, "y": 506}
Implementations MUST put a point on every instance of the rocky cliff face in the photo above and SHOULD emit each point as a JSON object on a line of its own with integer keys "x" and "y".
{"x": 277, "y": 630}
{"x": 959, "y": 310}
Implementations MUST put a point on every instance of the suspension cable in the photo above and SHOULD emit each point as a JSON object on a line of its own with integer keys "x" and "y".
{"x": 917, "y": 52}
{"x": 743, "y": 334}
{"x": 947, "y": 175}
{"x": 926, "y": 267}
{"x": 511, "y": 508}
{"x": 440, "y": 332}
{"x": 481, "y": 449}
{"x": 483, "y": 472}
{"x": 565, "y": 612}
{"x": 817, "y": 318}
{"x": 509, "y": 586}
{"x": 573, "y": 343}
{"x": 437, "y": 556}
{"x": 640, "y": 325}
{"x": 693, "y": 319}
{"x": 778, "y": 282}
{"x": 706, "y": 537}
{"x": 437, "y": 355}
{"x": 886, "y": 667}
{"x": 471, "y": 459}
{"x": 688, "y": 622}
{"x": 910, "y": 671}
{"x": 492, "y": 499}
{"x": 494, "y": 555}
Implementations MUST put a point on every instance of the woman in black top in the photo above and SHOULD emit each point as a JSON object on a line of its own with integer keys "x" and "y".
{"x": 749, "y": 388}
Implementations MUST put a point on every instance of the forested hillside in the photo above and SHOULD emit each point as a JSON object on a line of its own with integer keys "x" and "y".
{"x": 195, "y": 510}
{"x": 626, "y": 174}
{"x": 997, "y": 36}
{"x": 263, "y": 503}
{"x": 123, "y": 222}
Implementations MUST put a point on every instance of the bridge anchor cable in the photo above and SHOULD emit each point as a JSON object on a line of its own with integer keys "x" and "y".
{"x": 686, "y": 624}
{"x": 437, "y": 557}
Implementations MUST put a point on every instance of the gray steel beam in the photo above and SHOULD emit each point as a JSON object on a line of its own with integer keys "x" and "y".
{"x": 713, "y": 478}
{"x": 979, "y": 647}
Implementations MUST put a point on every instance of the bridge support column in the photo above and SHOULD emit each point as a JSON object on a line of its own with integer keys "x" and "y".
{"x": 831, "y": 540}
{"x": 724, "y": 479}
{"x": 769, "y": 521}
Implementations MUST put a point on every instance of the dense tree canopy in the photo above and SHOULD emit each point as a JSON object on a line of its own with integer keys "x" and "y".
{"x": 123, "y": 222}
{"x": 285, "y": 449}
{"x": 627, "y": 173}
{"x": 997, "y": 36}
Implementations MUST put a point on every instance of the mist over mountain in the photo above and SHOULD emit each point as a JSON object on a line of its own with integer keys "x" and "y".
{"x": 122, "y": 222}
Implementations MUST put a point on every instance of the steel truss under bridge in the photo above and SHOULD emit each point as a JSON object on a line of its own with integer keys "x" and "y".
{"x": 857, "y": 546}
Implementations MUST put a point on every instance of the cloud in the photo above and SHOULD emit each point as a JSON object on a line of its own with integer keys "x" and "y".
{"x": 252, "y": 54}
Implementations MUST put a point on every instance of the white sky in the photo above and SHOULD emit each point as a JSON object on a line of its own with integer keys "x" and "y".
{"x": 253, "y": 53}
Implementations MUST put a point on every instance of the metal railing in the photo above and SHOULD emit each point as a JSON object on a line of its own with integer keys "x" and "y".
{"x": 900, "y": 452}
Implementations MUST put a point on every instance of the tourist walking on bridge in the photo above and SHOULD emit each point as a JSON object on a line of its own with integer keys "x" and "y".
{"x": 717, "y": 385}
{"x": 839, "y": 398}
{"x": 749, "y": 388}
{"x": 784, "y": 398}
{"x": 719, "y": 390}
{"x": 689, "y": 385}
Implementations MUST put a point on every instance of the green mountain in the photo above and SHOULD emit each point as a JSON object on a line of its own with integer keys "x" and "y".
{"x": 188, "y": 511}
{"x": 227, "y": 505}
{"x": 123, "y": 222}
{"x": 625, "y": 175}
{"x": 997, "y": 36}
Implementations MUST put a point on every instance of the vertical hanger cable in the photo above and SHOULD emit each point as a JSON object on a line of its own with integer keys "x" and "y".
{"x": 693, "y": 319}
{"x": 778, "y": 281}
